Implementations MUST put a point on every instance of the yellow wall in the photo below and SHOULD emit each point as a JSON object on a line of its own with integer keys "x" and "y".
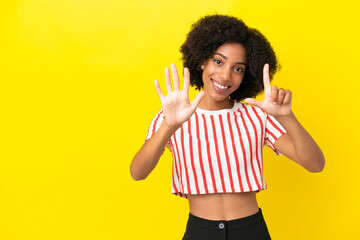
{"x": 77, "y": 95}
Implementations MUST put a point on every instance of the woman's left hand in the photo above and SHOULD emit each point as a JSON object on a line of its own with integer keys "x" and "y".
{"x": 277, "y": 102}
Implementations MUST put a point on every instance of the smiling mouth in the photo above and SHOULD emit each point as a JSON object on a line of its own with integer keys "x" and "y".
{"x": 219, "y": 85}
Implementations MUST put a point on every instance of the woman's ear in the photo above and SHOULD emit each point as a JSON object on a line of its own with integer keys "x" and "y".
{"x": 201, "y": 67}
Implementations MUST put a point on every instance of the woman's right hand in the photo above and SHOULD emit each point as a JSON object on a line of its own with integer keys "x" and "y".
{"x": 176, "y": 106}
{"x": 177, "y": 109}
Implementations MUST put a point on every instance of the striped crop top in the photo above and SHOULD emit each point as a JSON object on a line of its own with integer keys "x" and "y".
{"x": 220, "y": 151}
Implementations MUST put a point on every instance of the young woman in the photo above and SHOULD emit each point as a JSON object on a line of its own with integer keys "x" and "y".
{"x": 217, "y": 141}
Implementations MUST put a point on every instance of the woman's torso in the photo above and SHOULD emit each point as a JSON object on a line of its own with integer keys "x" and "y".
{"x": 223, "y": 206}
{"x": 220, "y": 151}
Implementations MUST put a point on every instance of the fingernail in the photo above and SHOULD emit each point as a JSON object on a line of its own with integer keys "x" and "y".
{"x": 275, "y": 103}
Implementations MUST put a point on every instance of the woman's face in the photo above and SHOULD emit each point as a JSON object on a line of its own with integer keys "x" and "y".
{"x": 224, "y": 72}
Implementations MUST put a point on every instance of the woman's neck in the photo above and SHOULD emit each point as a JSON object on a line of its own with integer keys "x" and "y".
{"x": 207, "y": 104}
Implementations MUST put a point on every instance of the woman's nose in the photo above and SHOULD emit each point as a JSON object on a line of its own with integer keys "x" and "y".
{"x": 225, "y": 74}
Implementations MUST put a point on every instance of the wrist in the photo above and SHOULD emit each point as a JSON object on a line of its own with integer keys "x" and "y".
{"x": 169, "y": 129}
{"x": 286, "y": 117}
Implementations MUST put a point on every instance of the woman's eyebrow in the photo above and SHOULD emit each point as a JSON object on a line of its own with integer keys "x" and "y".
{"x": 227, "y": 58}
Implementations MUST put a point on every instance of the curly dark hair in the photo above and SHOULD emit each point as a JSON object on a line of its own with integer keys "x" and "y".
{"x": 209, "y": 33}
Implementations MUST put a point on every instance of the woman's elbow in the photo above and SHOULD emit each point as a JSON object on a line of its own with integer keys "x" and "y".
{"x": 319, "y": 166}
{"x": 137, "y": 178}
{"x": 316, "y": 170}
{"x": 135, "y": 175}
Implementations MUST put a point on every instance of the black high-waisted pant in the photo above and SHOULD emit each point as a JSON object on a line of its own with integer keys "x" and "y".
{"x": 248, "y": 228}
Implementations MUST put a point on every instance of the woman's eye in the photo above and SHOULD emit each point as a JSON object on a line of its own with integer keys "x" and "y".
{"x": 217, "y": 61}
{"x": 238, "y": 69}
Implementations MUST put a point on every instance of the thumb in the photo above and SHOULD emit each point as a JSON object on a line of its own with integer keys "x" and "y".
{"x": 252, "y": 102}
{"x": 197, "y": 99}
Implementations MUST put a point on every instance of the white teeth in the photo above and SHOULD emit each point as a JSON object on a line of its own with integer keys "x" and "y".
{"x": 220, "y": 86}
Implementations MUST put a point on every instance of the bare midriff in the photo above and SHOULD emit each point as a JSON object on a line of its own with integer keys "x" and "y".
{"x": 223, "y": 206}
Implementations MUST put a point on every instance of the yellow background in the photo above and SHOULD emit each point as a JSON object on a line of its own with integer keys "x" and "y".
{"x": 77, "y": 96}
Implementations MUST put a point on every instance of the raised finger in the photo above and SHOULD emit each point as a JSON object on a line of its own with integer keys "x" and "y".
{"x": 158, "y": 89}
{"x": 175, "y": 76}
{"x": 266, "y": 79}
{"x": 197, "y": 99}
{"x": 186, "y": 80}
{"x": 281, "y": 96}
{"x": 167, "y": 80}
{"x": 288, "y": 96}
{"x": 274, "y": 94}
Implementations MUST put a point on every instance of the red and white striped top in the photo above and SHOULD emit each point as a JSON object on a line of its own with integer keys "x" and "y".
{"x": 220, "y": 151}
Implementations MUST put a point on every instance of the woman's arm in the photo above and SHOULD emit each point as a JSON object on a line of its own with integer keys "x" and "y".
{"x": 147, "y": 158}
{"x": 296, "y": 144}
{"x": 177, "y": 109}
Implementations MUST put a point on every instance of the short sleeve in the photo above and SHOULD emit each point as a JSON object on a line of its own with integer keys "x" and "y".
{"x": 155, "y": 125}
{"x": 273, "y": 130}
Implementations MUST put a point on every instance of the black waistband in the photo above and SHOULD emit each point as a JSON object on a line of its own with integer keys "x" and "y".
{"x": 230, "y": 225}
